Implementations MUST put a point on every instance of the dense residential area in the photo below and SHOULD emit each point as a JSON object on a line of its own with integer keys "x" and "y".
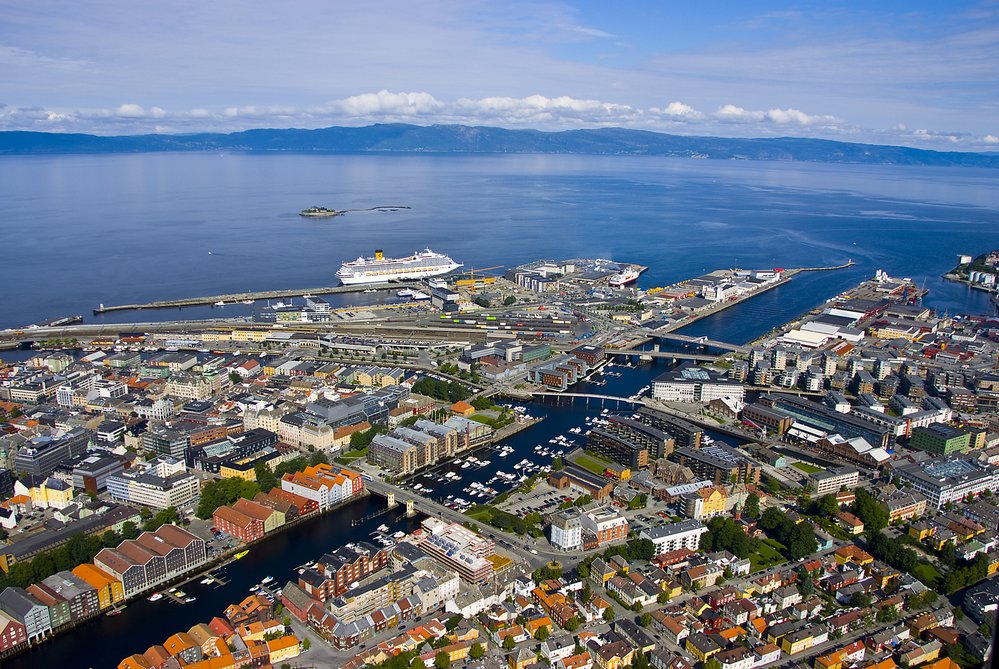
{"x": 821, "y": 497}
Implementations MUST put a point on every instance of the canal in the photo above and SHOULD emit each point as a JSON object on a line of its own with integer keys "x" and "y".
{"x": 145, "y": 623}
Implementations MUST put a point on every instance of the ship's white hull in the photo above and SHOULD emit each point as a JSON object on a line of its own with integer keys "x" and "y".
{"x": 621, "y": 280}
{"x": 359, "y": 278}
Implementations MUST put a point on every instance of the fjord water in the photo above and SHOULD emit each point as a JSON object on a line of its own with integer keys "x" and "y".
{"x": 84, "y": 230}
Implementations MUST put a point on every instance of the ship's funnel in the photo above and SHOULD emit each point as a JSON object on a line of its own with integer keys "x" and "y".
{"x": 378, "y": 254}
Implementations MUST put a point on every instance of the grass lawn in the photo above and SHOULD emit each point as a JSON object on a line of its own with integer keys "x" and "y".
{"x": 483, "y": 514}
{"x": 807, "y": 468}
{"x": 591, "y": 463}
{"x": 926, "y": 573}
{"x": 766, "y": 555}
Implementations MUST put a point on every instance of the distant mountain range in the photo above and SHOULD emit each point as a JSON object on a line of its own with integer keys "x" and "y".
{"x": 403, "y": 138}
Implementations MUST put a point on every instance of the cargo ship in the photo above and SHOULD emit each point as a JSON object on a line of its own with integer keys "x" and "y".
{"x": 381, "y": 269}
{"x": 623, "y": 278}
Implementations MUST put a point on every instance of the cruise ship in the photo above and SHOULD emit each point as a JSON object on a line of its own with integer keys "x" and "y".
{"x": 380, "y": 269}
{"x": 623, "y": 279}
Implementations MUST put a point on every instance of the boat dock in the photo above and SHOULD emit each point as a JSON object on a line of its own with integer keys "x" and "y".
{"x": 235, "y": 298}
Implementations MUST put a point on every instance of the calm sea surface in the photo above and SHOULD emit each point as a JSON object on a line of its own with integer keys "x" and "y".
{"x": 83, "y": 230}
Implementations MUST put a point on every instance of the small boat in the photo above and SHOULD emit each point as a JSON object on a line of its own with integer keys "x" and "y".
{"x": 241, "y": 554}
{"x": 156, "y": 596}
{"x": 220, "y": 303}
{"x": 383, "y": 528}
{"x": 246, "y": 302}
{"x": 267, "y": 579}
{"x": 399, "y": 535}
{"x": 254, "y": 588}
{"x": 189, "y": 600}
{"x": 116, "y": 612}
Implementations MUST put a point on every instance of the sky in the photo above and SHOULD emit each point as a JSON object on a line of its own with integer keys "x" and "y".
{"x": 913, "y": 73}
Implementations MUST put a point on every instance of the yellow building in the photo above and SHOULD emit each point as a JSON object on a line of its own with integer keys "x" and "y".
{"x": 854, "y": 554}
{"x": 456, "y": 652}
{"x": 109, "y": 589}
{"x": 51, "y": 493}
{"x": 705, "y": 503}
{"x": 249, "y": 335}
{"x": 216, "y": 335}
{"x": 283, "y": 648}
{"x": 699, "y": 651}
{"x": 919, "y": 531}
{"x": 796, "y": 642}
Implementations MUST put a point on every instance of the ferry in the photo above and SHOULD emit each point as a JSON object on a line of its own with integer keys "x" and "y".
{"x": 320, "y": 212}
{"x": 623, "y": 279}
{"x": 380, "y": 269}
{"x": 240, "y": 555}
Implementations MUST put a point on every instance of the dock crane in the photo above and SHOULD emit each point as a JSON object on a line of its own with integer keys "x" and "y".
{"x": 470, "y": 281}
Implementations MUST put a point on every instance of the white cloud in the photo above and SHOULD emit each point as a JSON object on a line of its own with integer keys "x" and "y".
{"x": 990, "y": 139}
{"x": 784, "y": 117}
{"x": 131, "y": 110}
{"x": 157, "y": 112}
{"x": 735, "y": 113}
{"x": 385, "y": 103}
{"x": 677, "y": 110}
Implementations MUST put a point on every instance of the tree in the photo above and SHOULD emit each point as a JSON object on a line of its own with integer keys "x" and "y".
{"x": 752, "y": 507}
{"x": 129, "y": 530}
{"x": 265, "y": 477}
{"x": 508, "y": 300}
{"x": 557, "y": 464}
{"x": 168, "y": 515}
{"x": 805, "y": 586}
{"x": 860, "y": 600}
{"x": 543, "y": 633}
{"x": 508, "y": 642}
{"x": 609, "y": 615}
{"x": 870, "y": 511}
{"x": 587, "y": 593}
{"x": 712, "y": 663}
{"x": 887, "y": 615}
{"x": 645, "y": 619}
{"x": 306, "y": 643}
{"x": 641, "y": 661}
{"x": 442, "y": 660}
{"x": 476, "y": 652}
{"x": 572, "y": 624}
{"x": 235, "y": 378}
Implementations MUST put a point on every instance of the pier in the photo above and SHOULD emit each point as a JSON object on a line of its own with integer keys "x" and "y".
{"x": 235, "y": 298}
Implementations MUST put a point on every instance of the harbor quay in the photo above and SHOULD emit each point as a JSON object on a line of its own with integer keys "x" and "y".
{"x": 485, "y": 467}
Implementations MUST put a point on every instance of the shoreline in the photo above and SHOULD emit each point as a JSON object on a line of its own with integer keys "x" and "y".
{"x": 224, "y": 559}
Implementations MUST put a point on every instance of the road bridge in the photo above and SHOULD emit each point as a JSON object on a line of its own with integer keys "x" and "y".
{"x": 660, "y": 355}
{"x": 701, "y": 341}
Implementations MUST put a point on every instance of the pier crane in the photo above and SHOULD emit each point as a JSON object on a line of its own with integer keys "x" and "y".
{"x": 471, "y": 282}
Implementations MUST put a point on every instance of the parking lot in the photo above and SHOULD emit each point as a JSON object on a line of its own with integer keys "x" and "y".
{"x": 543, "y": 499}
